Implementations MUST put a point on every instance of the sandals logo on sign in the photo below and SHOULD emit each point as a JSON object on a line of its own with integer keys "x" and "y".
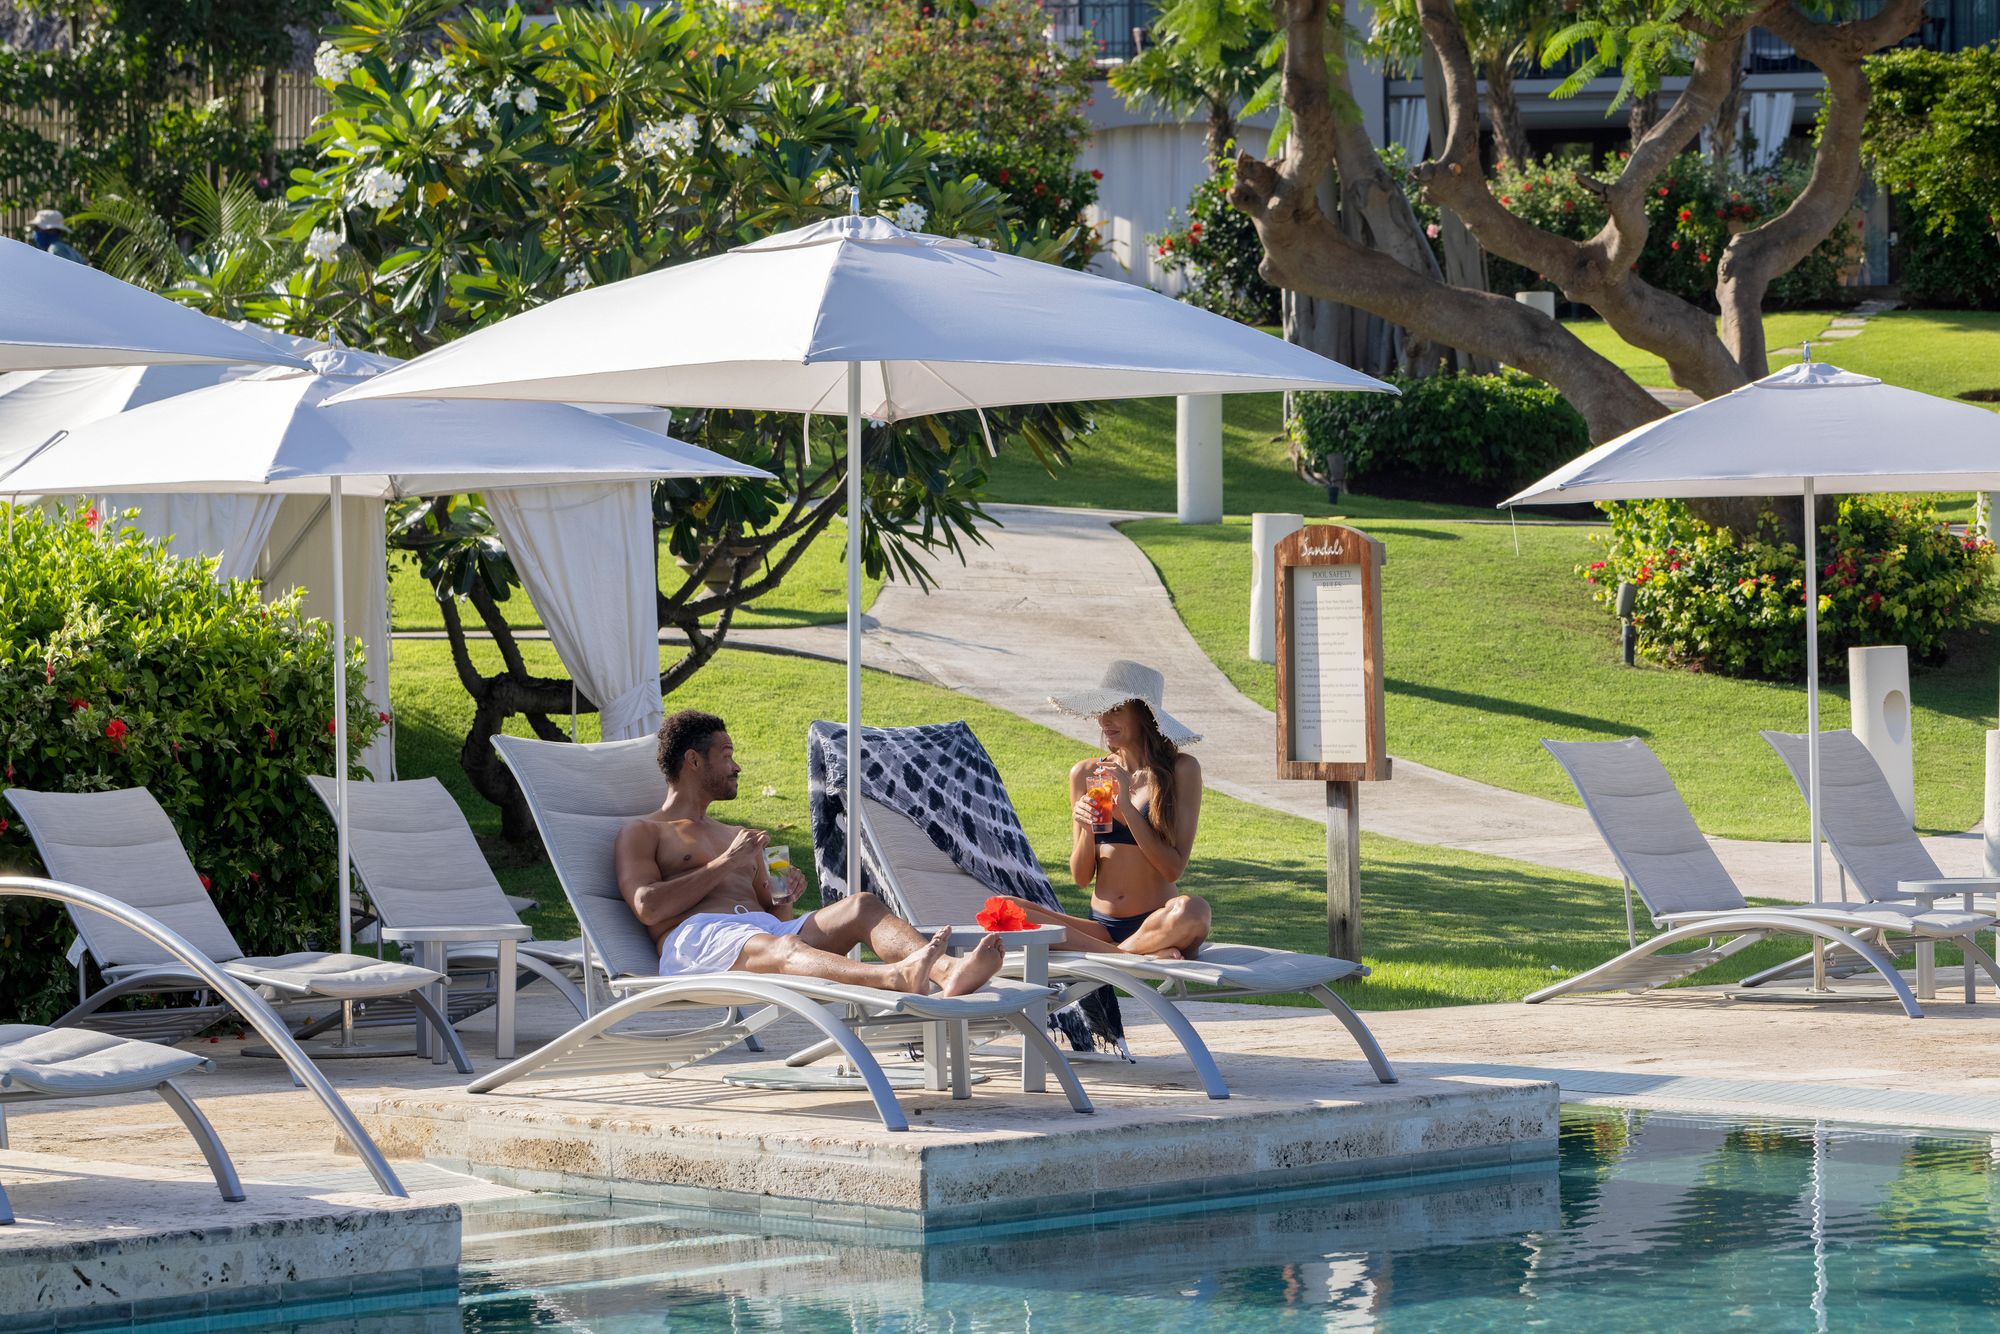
{"x": 1334, "y": 548}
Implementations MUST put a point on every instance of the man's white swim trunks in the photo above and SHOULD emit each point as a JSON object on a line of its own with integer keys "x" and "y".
{"x": 711, "y": 942}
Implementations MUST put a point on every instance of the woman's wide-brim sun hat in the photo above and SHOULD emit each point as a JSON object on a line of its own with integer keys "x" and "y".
{"x": 1127, "y": 682}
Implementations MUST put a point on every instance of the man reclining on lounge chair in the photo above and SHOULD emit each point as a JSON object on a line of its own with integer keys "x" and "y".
{"x": 702, "y": 889}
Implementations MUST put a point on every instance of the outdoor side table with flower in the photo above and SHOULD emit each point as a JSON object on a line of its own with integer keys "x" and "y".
{"x": 998, "y": 916}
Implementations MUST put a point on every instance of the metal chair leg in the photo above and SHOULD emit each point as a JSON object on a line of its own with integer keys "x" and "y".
{"x": 204, "y": 1135}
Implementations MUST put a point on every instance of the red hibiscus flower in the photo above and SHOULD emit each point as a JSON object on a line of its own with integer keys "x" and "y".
{"x": 116, "y": 730}
{"x": 1096, "y": 175}
{"x": 382, "y": 716}
{"x": 206, "y": 885}
{"x": 329, "y": 724}
{"x": 1002, "y": 915}
{"x": 78, "y": 705}
{"x": 90, "y": 519}
{"x": 1687, "y": 215}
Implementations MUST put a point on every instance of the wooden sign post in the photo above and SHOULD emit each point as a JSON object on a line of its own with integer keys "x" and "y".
{"x": 1330, "y": 724}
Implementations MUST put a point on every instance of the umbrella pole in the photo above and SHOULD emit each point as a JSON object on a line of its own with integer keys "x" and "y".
{"x": 854, "y": 627}
{"x": 340, "y": 739}
{"x": 1812, "y": 685}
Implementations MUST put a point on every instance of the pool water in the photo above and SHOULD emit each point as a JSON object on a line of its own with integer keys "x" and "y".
{"x": 1643, "y": 1222}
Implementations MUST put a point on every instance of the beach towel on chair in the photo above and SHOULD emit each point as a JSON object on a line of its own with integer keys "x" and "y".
{"x": 942, "y": 779}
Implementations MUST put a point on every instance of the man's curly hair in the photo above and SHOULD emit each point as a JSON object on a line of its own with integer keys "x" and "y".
{"x": 688, "y": 730}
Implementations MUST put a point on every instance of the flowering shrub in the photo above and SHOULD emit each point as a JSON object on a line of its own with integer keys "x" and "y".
{"x": 124, "y": 666}
{"x": 1693, "y": 210}
{"x": 1476, "y": 438}
{"x": 1047, "y": 191}
{"x": 1217, "y": 252}
{"x": 1890, "y": 573}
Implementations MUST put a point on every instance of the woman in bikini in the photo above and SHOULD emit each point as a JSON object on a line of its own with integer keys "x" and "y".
{"x": 1131, "y": 871}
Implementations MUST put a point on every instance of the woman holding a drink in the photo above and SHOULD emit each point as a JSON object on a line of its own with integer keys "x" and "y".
{"x": 1135, "y": 811}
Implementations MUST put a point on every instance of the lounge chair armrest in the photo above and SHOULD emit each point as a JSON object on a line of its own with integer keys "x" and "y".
{"x": 455, "y": 934}
{"x": 964, "y": 937}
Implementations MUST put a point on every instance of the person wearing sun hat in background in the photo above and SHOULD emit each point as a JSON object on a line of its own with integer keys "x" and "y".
{"x": 1132, "y": 868}
{"x": 48, "y": 230}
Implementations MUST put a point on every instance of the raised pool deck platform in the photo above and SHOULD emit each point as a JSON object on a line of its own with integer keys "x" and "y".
{"x": 999, "y": 1157}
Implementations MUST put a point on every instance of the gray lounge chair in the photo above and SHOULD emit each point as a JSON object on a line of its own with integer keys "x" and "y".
{"x": 581, "y": 797}
{"x": 431, "y": 887}
{"x": 123, "y": 845}
{"x": 923, "y": 884}
{"x": 1871, "y": 838}
{"x": 1689, "y": 895}
{"x": 46, "y": 1064}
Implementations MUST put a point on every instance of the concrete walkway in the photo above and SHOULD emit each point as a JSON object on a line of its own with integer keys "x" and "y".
{"x": 1059, "y": 592}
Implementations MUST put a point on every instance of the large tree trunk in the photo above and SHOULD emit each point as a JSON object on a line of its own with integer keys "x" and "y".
{"x": 1510, "y": 136}
{"x": 1221, "y": 130}
{"x": 1641, "y": 116}
{"x": 1728, "y": 120}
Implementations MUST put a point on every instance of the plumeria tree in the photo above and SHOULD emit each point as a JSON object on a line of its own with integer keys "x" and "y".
{"x": 475, "y": 164}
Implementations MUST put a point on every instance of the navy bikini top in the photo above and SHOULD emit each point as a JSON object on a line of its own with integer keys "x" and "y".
{"x": 1119, "y": 833}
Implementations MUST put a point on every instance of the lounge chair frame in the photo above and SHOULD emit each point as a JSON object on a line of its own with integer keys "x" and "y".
{"x": 238, "y": 998}
{"x": 579, "y": 844}
{"x": 1156, "y": 985}
{"x": 1699, "y": 898}
{"x": 288, "y": 984}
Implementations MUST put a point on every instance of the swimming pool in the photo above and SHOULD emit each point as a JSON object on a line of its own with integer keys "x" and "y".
{"x": 1645, "y": 1221}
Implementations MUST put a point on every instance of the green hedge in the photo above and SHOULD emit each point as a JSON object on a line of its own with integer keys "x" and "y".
{"x": 1947, "y": 269}
{"x": 1891, "y": 572}
{"x": 1470, "y": 438}
{"x": 124, "y": 666}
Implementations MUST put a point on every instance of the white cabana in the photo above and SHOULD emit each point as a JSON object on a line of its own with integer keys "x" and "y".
{"x": 858, "y": 316}
{"x": 268, "y": 435}
{"x": 60, "y": 313}
{"x": 1808, "y": 430}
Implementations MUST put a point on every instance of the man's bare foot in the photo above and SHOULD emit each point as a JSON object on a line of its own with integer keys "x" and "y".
{"x": 976, "y": 969}
{"x": 912, "y": 972}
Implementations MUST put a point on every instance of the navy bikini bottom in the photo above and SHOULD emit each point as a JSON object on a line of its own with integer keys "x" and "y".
{"x": 1120, "y": 929}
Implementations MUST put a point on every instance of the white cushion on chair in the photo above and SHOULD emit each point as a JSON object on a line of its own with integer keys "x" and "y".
{"x": 336, "y": 976}
{"x": 82, "y": 1063}
{"x": 1249, "y": 967}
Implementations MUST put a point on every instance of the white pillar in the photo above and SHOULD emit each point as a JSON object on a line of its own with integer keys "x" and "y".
{"x": 1266, "y": 531}
{"x": 1198, "y": 457}
{"x": 1542, "y": 301}
{"x": 1879, "y": 705}
{"x": 1993, "y": 802}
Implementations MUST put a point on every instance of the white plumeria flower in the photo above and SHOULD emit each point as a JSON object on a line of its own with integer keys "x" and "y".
{"x": 333, "y": 64}
{"x": 527, "y": 101}
{"x": 381, "y": 187}
{"x": 504, "y": 93}
{"x": 767, "y": 92}
{"x": 452, "y": 138}
{"x": 740, "y": 144}
{"x": 660, "y": 137}
{"x": 473, "y": 157}
{"x": 482, "y": 116}
{"x": 576, "y": 279}
{"x": 912, "y": 216}
{"x": 322, "y": 245}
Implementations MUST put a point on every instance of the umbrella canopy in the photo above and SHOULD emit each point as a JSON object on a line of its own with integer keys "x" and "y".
{"x": 937, "y": 325}
{"x": 1807, "y": 430}
{"x": 857, "y": 315}
{"x": 60, "y": 313}
{"x": 34, "y": 405}
{"x": 269, "y": 433}
{"x": 1848, "y": 433}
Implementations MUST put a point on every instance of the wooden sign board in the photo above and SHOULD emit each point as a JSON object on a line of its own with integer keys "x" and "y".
{"x": 1329, "y": 623}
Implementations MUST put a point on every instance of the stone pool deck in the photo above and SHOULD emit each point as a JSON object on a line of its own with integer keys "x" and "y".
{"x": 1475, "y": 1091}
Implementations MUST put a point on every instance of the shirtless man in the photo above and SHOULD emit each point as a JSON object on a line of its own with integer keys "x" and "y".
{"x": 702, "y": 890}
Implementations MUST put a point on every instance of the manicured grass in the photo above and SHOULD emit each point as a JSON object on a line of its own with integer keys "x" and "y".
{"x": 814, "y": 593}
{"x": 1440, "y": 927}
{"x": 1488, "y": 652}
{"x": 1781, "y": 329}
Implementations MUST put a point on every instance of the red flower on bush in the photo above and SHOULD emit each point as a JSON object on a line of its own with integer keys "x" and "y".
{"x": 382, "y": 716}
{"x": 1687, "y": 214}
{"x": 90, "y": 519}
{"x": 1001, "y": 914}
{"x": 1506, "y": 201}
{"x": 329, "y": 725}
{"x": 1005, "y": 176}
{"x": 1700, "y": 257}
{"x": 270, "y": 740}
{"x": 206, "y": 886}
{"x": 1096, "y": 175}
{"x": 115, "y": 731}
{"x": 1663, "y": 189}
{"x": 78, "y": 705}
{"x": 4, "y": 826}
{"x": 1673, "y": 245}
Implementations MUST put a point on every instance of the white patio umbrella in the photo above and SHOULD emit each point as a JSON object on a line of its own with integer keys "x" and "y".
{"x": 268, "y": 433}
{"x": 59, "y": 313}
{"x": 1808, "y": 430}
{"x": 856, "y": 315}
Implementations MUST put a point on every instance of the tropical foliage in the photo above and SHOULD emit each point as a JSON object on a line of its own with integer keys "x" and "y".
{"x": 123, "y": 666}
{"x": 1933, "y": 136}
{"x": 1891, "y": 572}
{"x": 1216, "y": 254}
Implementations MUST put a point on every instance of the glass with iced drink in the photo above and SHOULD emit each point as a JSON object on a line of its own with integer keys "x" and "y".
{"x": 1103, "y": 796}
{"x": 777, "y": 861}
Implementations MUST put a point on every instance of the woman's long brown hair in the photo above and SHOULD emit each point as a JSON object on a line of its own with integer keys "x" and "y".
{"x": 1160, "y": 757}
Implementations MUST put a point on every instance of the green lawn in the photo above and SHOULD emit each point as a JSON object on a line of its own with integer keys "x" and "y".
{"x": 1488, "y": 652}
{"x": 1782, "y": 329}
{"x": 814, "y": 593}
{"x": 1440, "y": 927}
